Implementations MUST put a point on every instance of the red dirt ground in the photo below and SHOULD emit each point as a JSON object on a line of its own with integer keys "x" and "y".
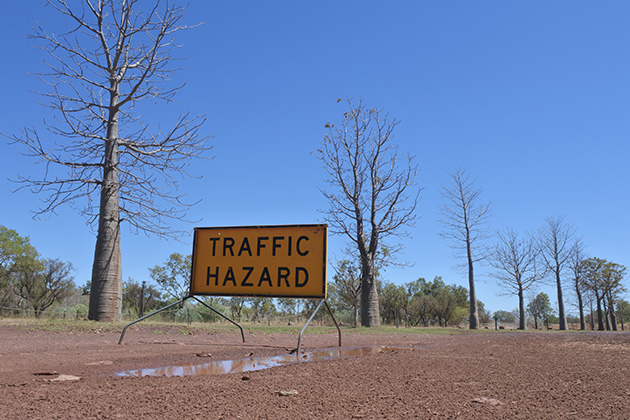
{"x": 482, "y": 375}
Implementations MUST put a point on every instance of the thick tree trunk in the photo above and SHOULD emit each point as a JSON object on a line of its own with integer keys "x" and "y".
{"x": 606, "y": 313}
{"x": 611, "y": 309}
{"x": 106, "y": 293}
{"x": 522, "y": 325}
{"x": 613, "y": 318}
{"x": 600, "y": 318}
{"x": 370, "y": 315}
{"x": 562, "y": 317}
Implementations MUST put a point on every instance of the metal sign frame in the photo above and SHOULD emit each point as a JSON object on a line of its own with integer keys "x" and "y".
{"x": 275, "y": 243}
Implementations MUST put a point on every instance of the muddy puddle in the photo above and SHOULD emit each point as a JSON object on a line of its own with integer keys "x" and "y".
{"x": 222, "y": 367}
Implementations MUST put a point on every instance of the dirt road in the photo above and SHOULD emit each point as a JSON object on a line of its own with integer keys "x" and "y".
{"x": 485, "y": 375}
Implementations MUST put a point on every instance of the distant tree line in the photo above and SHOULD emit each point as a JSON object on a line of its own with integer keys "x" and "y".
{"x": 416, "y": 303}
{"x": 555, "y": 255}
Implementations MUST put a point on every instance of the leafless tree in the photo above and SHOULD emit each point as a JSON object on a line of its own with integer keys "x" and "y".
{"x": 464, "y": 218}
{"x": 372, "y": 192}
{"x": 517, "y": 267}
{"x": 575, "y": 267}
{"x": 106, "y": 161}
{"x": 556, "y": 241}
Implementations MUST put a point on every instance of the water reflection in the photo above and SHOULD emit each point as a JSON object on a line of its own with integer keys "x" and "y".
{"x": 250, "y": 364}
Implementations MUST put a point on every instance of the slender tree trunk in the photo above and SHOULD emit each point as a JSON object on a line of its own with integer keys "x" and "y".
{"x": 106, "y": 293}
{"x": 592, "y": 314}
{"x": 474, "y": 314}
{"x": 370, "y": 315}
{"x": 522, "y": 325}
{"x": 535, "y": 322}
{"x": 561, "y": 315}
{"x": 580, "y": 305}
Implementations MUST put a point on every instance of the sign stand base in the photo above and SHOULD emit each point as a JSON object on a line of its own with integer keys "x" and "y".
{"x": 322, "y": 302}
{"x": 122, "y": 335}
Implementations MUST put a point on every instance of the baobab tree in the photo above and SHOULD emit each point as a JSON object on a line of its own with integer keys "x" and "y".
{"x": 99, "y": 155}
{"x": 556, "y": 241}
{"x": 517, "y": 267}
{"x": 372, "y": 192}
{"x": 464, "y": 217}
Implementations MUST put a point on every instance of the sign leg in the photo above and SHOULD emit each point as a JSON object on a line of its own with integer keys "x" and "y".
{"x": 323, "y": 301}
{"x": 222, "y": 315}
{"x": 122, "y": 335}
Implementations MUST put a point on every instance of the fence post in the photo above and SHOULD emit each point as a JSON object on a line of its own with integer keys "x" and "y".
{"x": 142, "y": 299}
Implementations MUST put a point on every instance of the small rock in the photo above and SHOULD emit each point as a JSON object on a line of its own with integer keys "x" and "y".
{"x": 64, "y": 378}
{"x": 100, "y": 363}
{"x": 490, "y": 401}
{"x": 287, "y": 393}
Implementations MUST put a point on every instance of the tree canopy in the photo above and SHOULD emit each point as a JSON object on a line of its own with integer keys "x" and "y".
{"x": 28, "y": 281}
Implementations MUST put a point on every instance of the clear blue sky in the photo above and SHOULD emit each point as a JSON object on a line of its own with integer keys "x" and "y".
{"x": 532, "y": 98}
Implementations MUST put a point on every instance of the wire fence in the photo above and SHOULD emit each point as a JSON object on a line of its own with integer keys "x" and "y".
{"x": 76, "y": 312}
{"x": 185, "y": 314}
{"x": 195, "y": 314}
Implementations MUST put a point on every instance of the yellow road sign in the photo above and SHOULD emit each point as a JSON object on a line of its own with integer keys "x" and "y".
{"x": 269, "y": 261}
